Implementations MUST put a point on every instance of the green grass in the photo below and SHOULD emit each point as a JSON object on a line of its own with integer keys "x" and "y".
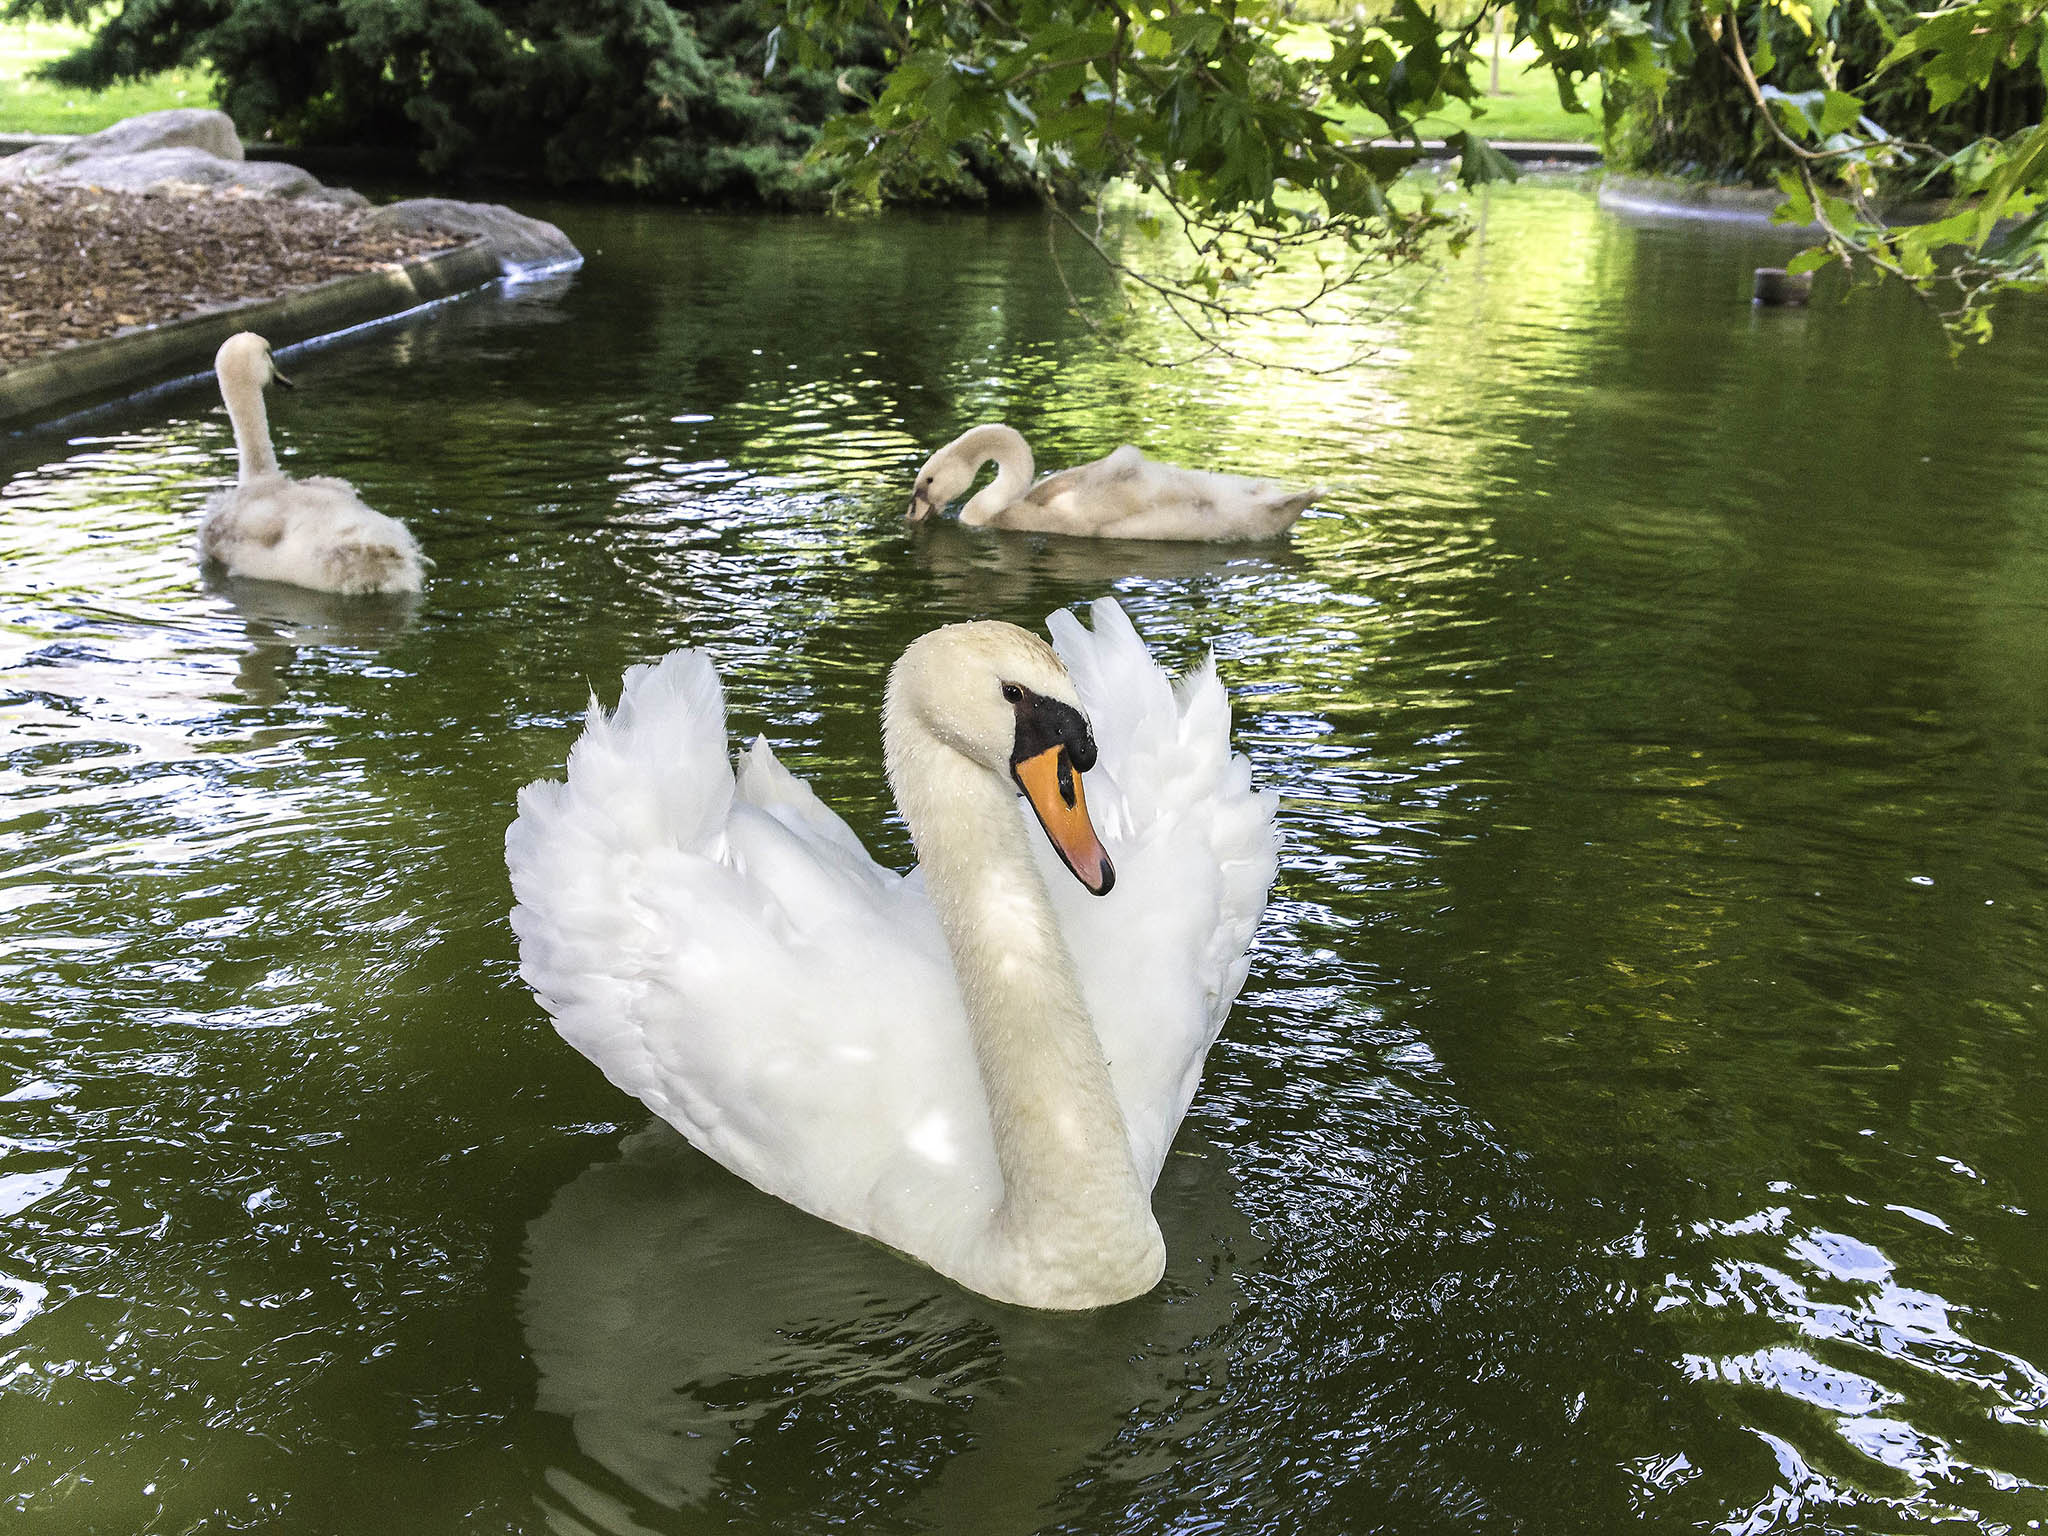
{"x": 1527, "y": 107}
{"x": 38, "y": 106}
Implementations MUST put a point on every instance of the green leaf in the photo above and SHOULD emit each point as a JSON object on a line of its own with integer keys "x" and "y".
{"x": 1479, "y": 162}
{"x": 1812, "y": 259}
{"x": 1838, "y": 213}
{"x": 1196, "y": 31}
{"x": 2028, "y": 164}
{"x": 1636, "y": 61}
{"x": 1839, "y": 111}
{"x": 1799, "y": 111}
{"x": 1973, "y": 165}
{"x": 1953, "y": 230}
{"x": 1069, "y": 41}
{"x": 1963, "y": 47}
{"x": 1797, "y": 207}
{"x": 2025, "y": 241}
{"x": 1387, "y": 162}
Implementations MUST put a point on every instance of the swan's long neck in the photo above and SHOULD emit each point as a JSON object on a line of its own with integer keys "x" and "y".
{"x": 244, "y": 398}
{"x": 1075, "y": 1221}
{"x": 1014, "y": 469}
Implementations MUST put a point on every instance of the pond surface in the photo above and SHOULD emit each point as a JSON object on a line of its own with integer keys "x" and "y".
{"x": 1637, "y": 1115}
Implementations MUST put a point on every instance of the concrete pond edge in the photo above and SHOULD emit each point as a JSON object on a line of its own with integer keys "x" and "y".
{"x": 114, "y": 366}
{"x": 1676, "y": 197}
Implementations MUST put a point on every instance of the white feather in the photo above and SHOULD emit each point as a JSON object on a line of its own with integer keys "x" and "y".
{"x": 729, "y": 954}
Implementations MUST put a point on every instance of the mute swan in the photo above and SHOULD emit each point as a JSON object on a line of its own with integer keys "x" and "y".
{"x": 980, "y": 1064}
{"x": 1123, "y": 496}
{"x": 309, "y": 533}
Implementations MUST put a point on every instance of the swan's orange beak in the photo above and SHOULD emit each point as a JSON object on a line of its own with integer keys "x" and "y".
{"x": 1053, "y": 787}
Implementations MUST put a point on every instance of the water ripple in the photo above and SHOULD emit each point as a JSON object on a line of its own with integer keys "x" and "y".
{"x": 1632, "y": 1116}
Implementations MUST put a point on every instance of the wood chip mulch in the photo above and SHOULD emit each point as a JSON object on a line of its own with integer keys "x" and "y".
{"x": 78, "y": 263}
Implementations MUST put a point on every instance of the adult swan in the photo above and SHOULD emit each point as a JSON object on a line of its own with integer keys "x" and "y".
{"x": 981, "y": 1064}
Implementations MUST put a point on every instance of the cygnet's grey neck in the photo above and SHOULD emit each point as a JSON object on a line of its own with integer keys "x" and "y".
{"x": 244, "y": 399}
{"x": 1014, "y": 470}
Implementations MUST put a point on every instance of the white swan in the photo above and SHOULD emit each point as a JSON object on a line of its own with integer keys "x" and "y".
{"x": 1123, "y": 496}
{"x": 309, "y": 533}
{"x": 981, "y": 1064}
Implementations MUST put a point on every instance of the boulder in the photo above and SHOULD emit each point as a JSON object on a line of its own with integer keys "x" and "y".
{"x": 212, "y": 133}
{"x": 188, "y": 150}
{"x": 183, "y": 167}
{"x": 524, "y": 247}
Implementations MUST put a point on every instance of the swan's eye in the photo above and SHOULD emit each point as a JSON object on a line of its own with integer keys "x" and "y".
{"x": 1013, "y": 693}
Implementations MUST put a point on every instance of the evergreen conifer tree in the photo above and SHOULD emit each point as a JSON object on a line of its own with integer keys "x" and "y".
{"x": 695, "y": 99}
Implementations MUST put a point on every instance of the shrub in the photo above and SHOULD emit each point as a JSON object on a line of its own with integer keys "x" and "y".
{"x": 1705, "y": 123}
{"x": 697, "y": 99}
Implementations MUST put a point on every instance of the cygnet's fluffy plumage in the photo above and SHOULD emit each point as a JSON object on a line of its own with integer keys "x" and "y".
{"x": 1123, "y": 496}
{"x": 310, "y": 533}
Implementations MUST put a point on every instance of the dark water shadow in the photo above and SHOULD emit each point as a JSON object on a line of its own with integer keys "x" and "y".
{"x": 718, "y": 1353}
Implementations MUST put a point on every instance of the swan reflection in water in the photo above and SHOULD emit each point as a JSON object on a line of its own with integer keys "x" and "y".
{"x": 991, "y": 570}
{"x": 715, "y": 1350}
{"x": 278, "y": 620}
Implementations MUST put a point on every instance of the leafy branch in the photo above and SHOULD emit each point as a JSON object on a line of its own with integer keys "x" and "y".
{"x": 1227, "y": 134}
{"x": 1994, "y": 236}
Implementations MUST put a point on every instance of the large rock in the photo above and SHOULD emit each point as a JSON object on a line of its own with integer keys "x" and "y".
{"x": 524, "y": 247}
{"x": 174, "y": 169}
{"x": 212, "y": 133}
{"x": 190, "y": 150}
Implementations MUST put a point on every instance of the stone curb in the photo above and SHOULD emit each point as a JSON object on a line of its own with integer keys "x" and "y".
{"x": 1539, "y": 152}
{"x": 1530, "y": 151}
{"x": 120, "y": 365}
{"x": 1672, "y": 197}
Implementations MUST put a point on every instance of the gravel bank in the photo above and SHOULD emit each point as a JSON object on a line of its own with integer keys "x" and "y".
{"x": 80, "y": 263}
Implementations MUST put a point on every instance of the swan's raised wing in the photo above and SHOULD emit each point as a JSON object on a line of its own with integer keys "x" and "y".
{"x": 1163, "y": 955}
{"x": 730, "y": 955}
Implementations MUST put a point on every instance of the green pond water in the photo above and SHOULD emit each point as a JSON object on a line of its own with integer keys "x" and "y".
{"x": 1636, "y": 1116}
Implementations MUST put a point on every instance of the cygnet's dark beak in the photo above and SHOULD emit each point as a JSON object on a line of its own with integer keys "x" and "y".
{"x": 921, "y": 506}
{"x": 279, "y": 379}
